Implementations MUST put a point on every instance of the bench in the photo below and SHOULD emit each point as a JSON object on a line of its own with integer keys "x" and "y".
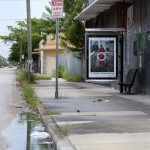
{"x": 129, "y": 82}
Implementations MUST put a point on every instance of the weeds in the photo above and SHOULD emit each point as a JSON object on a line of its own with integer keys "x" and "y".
{"x": 65, "y": 130}
{"x": 62, "y": 73}
{"x": 29, "y": 94}
{"x": 63, "y": 94}
{"x": 22, "y": 76}
{"x": 27, "y": 90}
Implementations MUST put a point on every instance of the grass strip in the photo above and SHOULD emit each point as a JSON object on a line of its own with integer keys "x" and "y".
{"x": 27, "y": 89}
{"x": 29, "y": 94}
{"x": 41, "y": 77}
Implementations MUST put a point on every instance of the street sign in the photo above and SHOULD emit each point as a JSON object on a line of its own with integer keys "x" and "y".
{"x": 57, "y": 8}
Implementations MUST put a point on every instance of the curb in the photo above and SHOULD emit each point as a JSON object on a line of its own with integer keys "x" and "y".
{"x": 60, "y": 141}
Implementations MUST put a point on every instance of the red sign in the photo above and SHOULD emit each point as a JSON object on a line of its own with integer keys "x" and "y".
{"x": 57, "y": 8}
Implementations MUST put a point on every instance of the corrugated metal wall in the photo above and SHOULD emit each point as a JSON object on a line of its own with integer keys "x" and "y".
{"x": 72, "y": 64}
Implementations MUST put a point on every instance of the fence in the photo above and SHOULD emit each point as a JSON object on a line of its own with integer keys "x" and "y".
{"x": 72, "y": 64}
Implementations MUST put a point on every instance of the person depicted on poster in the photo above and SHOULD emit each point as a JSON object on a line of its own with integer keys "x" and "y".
{"x": 101, "y": 57}
{"x": 101, "y": 49}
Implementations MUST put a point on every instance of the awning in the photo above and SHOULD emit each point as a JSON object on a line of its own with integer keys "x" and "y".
{"x": 96, "y": 7}
{"x": 88, "y": 30}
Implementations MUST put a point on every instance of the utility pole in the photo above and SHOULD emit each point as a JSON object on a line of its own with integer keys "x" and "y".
{"x": 21, "y": 48}
{"x": 29, "y": 40}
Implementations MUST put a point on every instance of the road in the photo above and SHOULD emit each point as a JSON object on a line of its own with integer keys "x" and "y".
{"x": 11, "y": 103}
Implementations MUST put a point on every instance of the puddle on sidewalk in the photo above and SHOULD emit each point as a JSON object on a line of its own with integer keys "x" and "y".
{"x": 28, "y": 133}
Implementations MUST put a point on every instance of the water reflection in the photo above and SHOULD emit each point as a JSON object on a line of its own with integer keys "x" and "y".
{"x": 19, "y": 133}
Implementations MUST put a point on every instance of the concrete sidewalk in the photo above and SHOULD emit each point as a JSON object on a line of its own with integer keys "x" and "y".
{"x": 94, "y": 117}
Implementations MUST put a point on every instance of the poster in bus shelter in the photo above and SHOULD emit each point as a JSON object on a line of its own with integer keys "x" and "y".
{"x": 102, "y": 53}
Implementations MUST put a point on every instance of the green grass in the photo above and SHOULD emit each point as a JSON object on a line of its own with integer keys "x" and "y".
{"x": 73, "y": 79}
{"x": 29, "y": 94}
{"x": 41, "y": 77}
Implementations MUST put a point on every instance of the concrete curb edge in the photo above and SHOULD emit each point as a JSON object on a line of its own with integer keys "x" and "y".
{"x": 61, "y": 142}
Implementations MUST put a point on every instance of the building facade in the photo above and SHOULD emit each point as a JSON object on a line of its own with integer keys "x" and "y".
{"x": 133, "y": 16}
{"x": 47, "y": 55}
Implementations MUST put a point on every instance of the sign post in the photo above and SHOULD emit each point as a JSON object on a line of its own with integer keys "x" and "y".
{"x": 57, "y": 12}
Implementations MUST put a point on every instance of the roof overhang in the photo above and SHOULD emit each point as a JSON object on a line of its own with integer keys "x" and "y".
{"x": 35, "y": 52}
{"x": 96, "y": 7}
{"x": 89, "y": 30}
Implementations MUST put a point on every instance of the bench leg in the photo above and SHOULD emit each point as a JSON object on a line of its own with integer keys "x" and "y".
{"x": 125, "y": 89}
{"x": 129, "y": 90}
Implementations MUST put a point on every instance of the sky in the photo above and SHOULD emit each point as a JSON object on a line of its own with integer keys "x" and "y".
{"x": 13, "y": 10}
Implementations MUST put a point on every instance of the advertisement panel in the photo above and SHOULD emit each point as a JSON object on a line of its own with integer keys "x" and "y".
{"x": 101, "y": 54}
{"x": 57, "y": 8}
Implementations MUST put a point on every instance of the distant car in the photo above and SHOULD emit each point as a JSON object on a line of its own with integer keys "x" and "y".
{"x": 10, "y": 67}
{"x": 1, "y": 66}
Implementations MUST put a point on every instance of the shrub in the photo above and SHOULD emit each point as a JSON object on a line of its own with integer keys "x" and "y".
{"x": 60, "y": 71}
{"x": 65, "y": 74}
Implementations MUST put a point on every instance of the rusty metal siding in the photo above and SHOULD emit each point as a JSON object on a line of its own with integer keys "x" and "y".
{"x": 142, "y": 43}
{"x": 130, "y": 34}
{"x": 122, "y": 14}
{"x": 142, "y": 15}
{"x": 115, "y": 17}
{"x": 105, "y": 21}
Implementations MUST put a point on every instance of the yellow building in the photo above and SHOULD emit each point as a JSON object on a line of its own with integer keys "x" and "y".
{"x": 47, "y": 53}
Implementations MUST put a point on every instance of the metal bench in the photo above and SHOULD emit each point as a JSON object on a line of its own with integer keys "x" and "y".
{"x": 129, "y": 82}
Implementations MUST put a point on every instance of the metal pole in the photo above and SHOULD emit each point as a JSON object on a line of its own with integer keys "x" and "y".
{"x": 121, "y": 62}
{"x": 57, "y": 31}
{"x": 29, "y": 39}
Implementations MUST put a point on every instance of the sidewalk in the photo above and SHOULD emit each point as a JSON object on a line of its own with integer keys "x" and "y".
{"x": 94, "y": 117}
